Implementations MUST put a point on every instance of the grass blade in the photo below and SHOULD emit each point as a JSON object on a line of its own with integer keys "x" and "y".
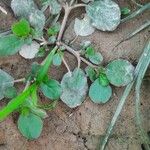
{"x": 16, "y": 102}
{"x": 144, "y": 137}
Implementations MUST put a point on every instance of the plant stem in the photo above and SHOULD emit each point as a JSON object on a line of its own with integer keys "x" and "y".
{"x": 67, "y": 12}
{"x": 66, "y": 65}
{"x": 67, "y": 9}
{"x": 136, "y": 13}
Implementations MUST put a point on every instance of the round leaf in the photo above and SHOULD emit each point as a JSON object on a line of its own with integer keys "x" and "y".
{"x": 83, "y": 27}
{"x": 30, "y": 126}
{"x": 120, "y": 72}
{"x": 29, "y": 51}
{"x": 74, "y": 88}
{"x": 99, "y": 93}
{"x": 105, "y": 14}
{"x": 51, "y": 89}
{"x": 57, "y": 59}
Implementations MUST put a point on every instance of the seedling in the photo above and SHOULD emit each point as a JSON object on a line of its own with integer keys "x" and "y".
{"x": 32, "y": 36}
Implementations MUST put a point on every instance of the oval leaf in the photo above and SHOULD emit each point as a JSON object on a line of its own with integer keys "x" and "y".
{"x": 105, "y": 14}
{"x": 99, "y": 93}
{"x": 30, "y": 126}
{"x": 120, "y": 72}
{"x": 74, "y": 88}
{"x": 29, "y": 51}
{"x": 83, "y": 27}
{"x": 51, "y": 89}
{"x": 10, "y": 45}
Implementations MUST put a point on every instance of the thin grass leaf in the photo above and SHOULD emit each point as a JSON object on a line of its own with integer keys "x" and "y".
{"x": 144, "y": 137}
{"x": 123, "y": 99}
{"x": 44, "y": 68}
{"x": 16, "y": 102}
{"x": 136, "y": 13}
{"x": 132, "y": 34}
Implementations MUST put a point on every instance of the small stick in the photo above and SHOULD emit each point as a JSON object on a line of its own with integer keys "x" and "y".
{"x": 67, "y": 9}
{"x": 134, "y": 1}
{"x": 66, "y": 65}
{"x": 3, "y": 10}
{"x": 77, "y": 55}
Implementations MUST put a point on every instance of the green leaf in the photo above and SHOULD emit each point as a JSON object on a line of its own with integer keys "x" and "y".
{"x": 30, "y": 126}
{"x": 29, "y": 103}
{"x": 44, "y": 68}
{"x": 10, "y": 45}
{"x": 57, "y": 59}
{"x": 103, "y": 79}
{"x": 125, "y": 11}
{"x": 105, "y": 14}
{"x": 100, "y": 94}
{"x": 54, "y": 6}
{"x": 6, "y": 81}
{"x": 54, "y": 30}
{"x": 74, "y": 88}
{"x": 51, "y": 89}
{"x": 21, "y": 28}
{"x": 10, "y": 92}
{"x": 83, "y": 27}
{"x": 97, "y": 58}
{"x": 89, "y": 51}
{"x": 120, "y": 72}
{"x": 90, "y": 73}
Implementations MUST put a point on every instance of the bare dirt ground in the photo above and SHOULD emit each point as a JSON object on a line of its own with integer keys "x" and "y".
{"x": 81, "y": 128}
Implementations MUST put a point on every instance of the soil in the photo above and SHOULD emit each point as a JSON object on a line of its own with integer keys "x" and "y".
{"x": 82, "y": 128}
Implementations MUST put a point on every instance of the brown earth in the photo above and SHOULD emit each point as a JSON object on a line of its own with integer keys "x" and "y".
{"x": 81, "y": 128}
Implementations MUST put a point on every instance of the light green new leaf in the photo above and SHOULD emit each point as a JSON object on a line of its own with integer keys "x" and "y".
{"x": 103, "y": 79}
{"x": 21, "y": 28}
{"x": 120, "y": 72}
{"x": 51, "y": 89}
{"x": 105, "y": 14}
{"x": 74, "y": 88}
{"x": 30, "y": 125}
{"x": 98, "y": 93}
{"x": 83, "y": 27}
{"x": 10, "y": 45}
{"x": 6, "y": 81}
